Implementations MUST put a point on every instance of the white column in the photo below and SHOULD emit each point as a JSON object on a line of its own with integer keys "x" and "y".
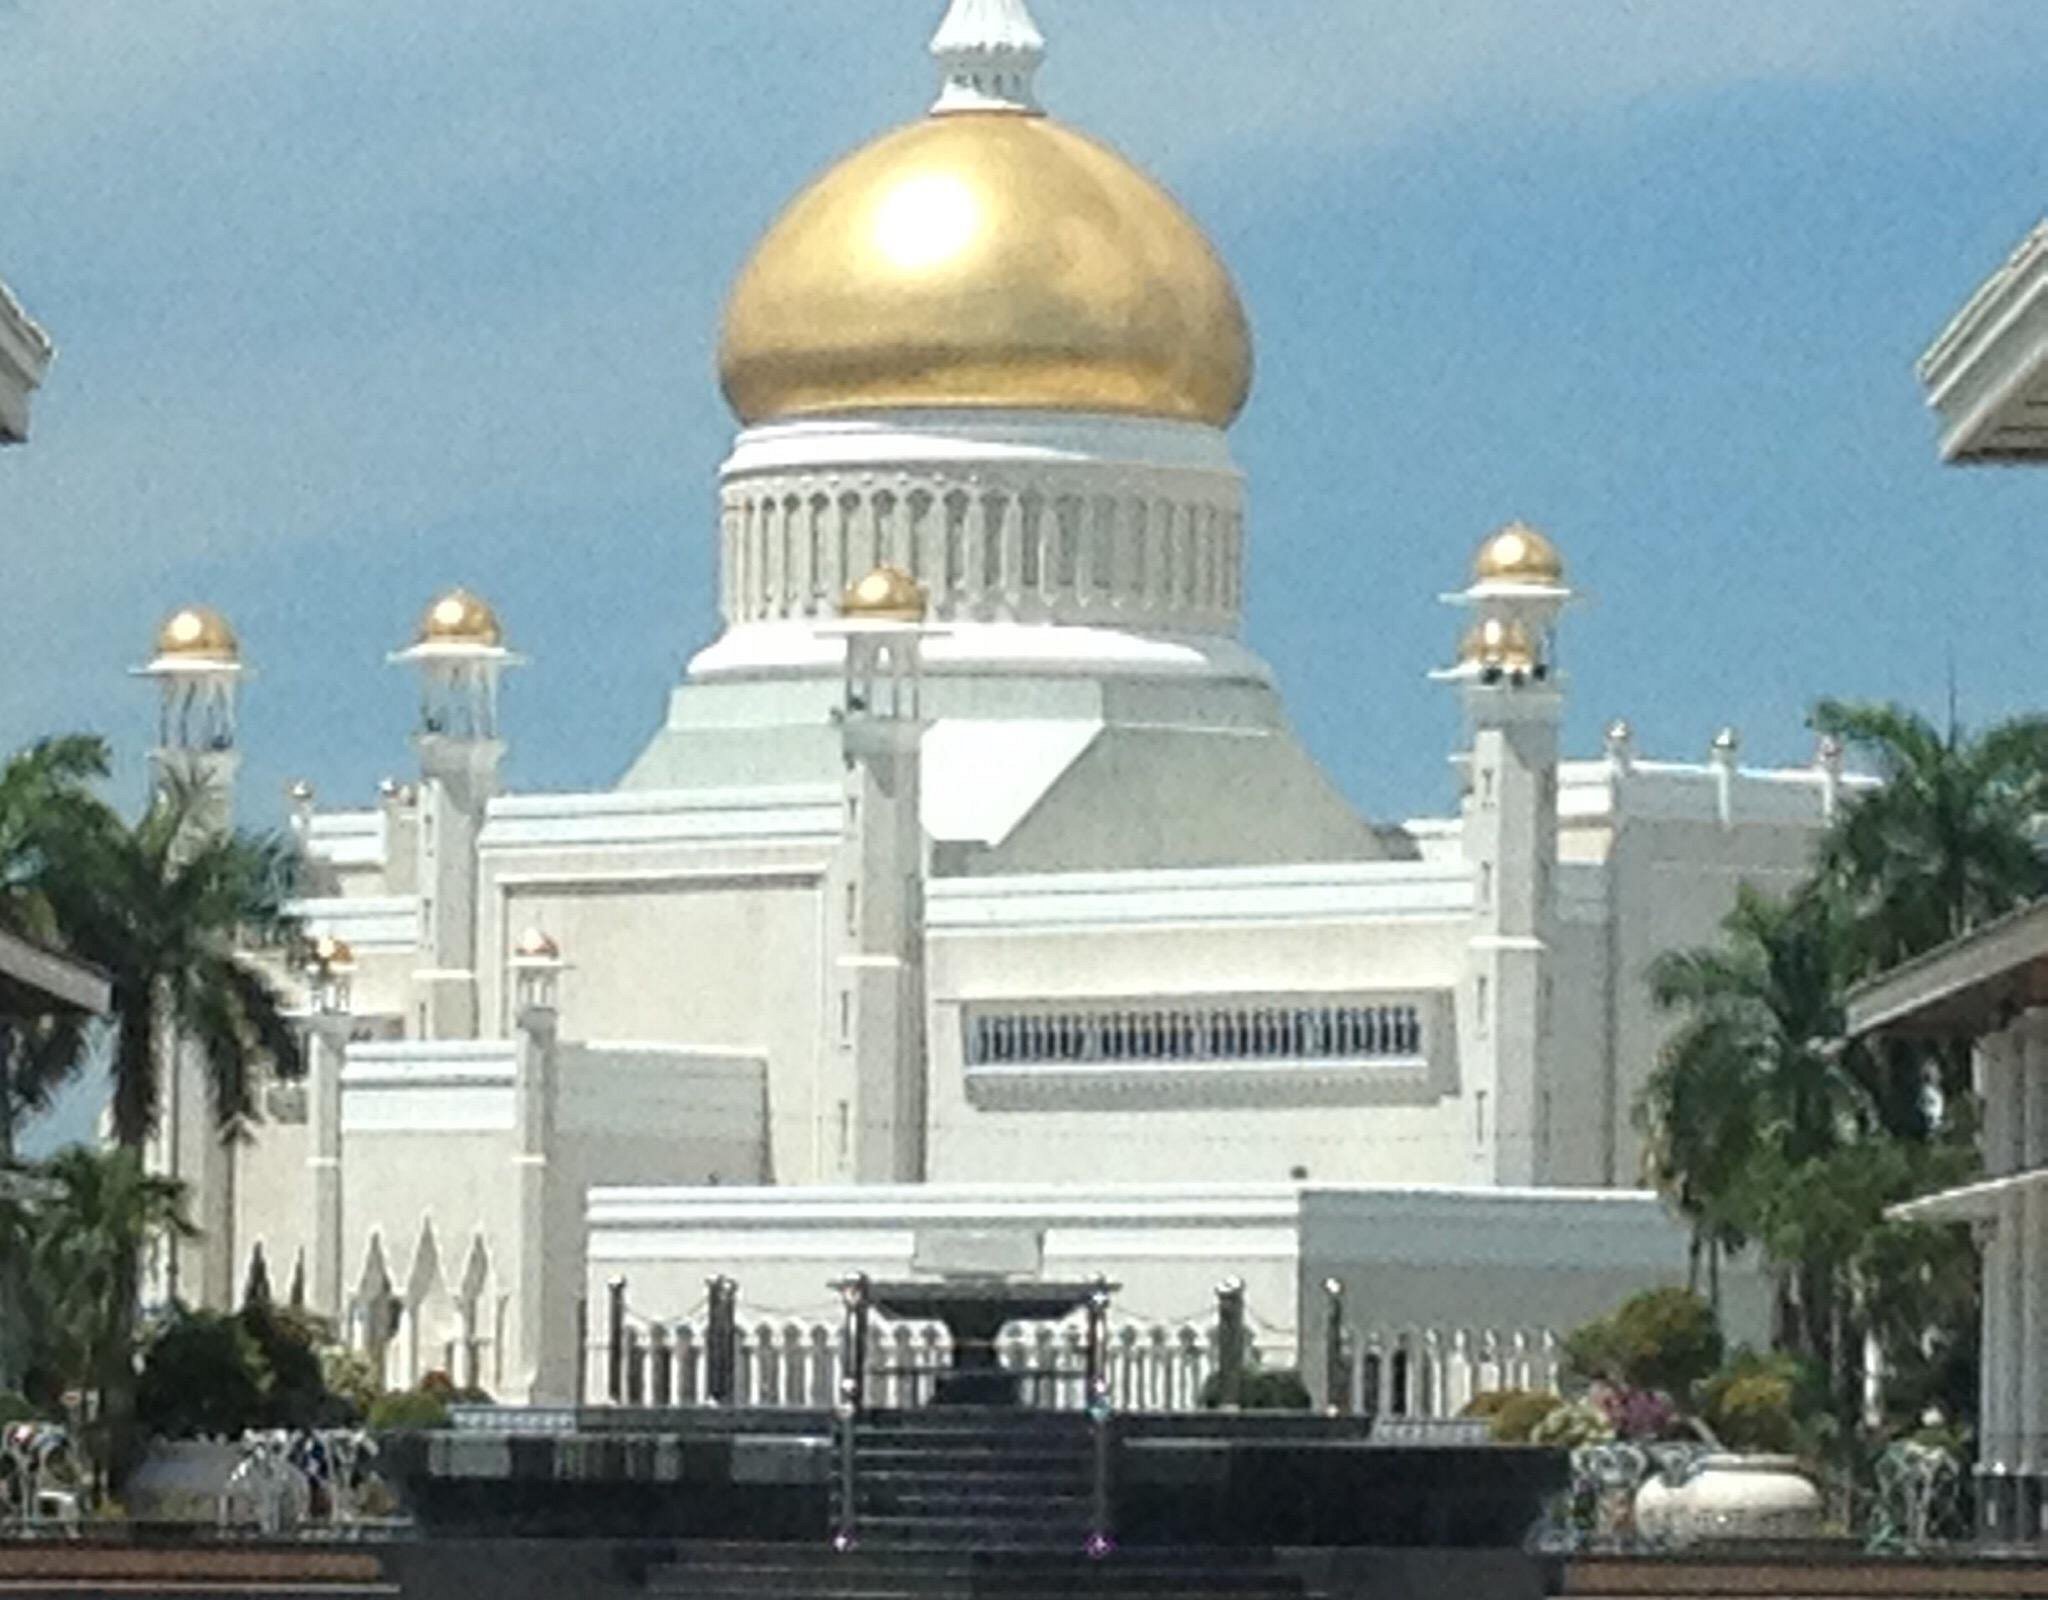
{"x": 2032, "y": 1265}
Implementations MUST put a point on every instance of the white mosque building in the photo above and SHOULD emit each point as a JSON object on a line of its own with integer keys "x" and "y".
{"x": 974, "y": 876}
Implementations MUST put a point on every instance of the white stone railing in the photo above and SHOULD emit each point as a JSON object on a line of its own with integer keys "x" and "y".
{"x": 1423, "y": 1373}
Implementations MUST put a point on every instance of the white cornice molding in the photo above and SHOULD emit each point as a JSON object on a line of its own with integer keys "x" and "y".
{"x": 1983, "y": 373}
{"x": 25, "y": 356}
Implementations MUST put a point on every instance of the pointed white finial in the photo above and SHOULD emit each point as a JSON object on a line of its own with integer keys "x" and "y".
{"x": 988, "y": 53}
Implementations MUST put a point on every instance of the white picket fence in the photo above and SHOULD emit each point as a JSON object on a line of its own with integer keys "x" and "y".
{"x": 1423, "y": 1373}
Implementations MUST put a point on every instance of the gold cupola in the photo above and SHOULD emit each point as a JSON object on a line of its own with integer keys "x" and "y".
{"x": 986, "y": 257}
{"x": 1501, "y": 644}
{"x": 887, "y": 594}
{"x": 463, "y": 619}
{"x": 1519, "y": 554}
{"x": 197, "y": 636}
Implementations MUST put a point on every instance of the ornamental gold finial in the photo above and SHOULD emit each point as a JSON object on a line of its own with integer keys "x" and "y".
{"x": 988, "y": 52}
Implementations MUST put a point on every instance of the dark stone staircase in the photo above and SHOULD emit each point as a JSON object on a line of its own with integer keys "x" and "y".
{"x": 952, "y": 1503}
{"x": 974, "y": 1480}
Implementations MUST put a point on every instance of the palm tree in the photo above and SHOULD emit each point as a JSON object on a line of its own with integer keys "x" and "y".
{"x": 45, "y": 799}
{"x": 106, "y": 1211}
{"x": 1949, "y": 840}
{"x": 168, "y": 908}
{"x": 1751, "y": 1082}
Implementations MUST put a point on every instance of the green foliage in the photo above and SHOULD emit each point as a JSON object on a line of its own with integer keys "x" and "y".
{"x": 1771, "y": 1402}
{"x": 203, "y": 1376}
{"x": 350, "y": 1378}
{"x": 1513, "y": 1415}
{"x": 1764, "y": 1125}
{"x": 1572, "y": 1423}
{"x": 1264, "y": 1389}
{"x": 17, "y": 1407}
{"x": 408, "y": 1411}
{"x": 206, "y": 1374}
{"x": 83, "y": 1244}
{"x": 1661, "y": 1339}
{"x": 298, "y": 1395}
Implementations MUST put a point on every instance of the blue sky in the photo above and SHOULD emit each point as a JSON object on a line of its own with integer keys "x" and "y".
{"x": 360, "y": 298}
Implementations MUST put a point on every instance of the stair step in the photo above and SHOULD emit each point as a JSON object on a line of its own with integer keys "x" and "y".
{"x": 878, "y": 1571}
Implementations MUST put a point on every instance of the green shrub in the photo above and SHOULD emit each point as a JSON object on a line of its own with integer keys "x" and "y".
{"x": 1573, "y": 1423}
{"x": 349, "y": 1378}
{"x": 1263, "y": 1389}
{"x": 16, "y": 1407}
{"x": 297, "y": 1395}
{"x": 202, "y": 1375}
{"x": 1756, "y": 1402}
{"x": 1513, "y": 1414}
{"x": 408, "y": 1411}
{"x": 1663, "y": 1339}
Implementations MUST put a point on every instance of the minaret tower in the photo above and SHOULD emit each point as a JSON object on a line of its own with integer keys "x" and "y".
{"x": 198, "y": 671}
{"x": 875, "y": 1120}
{"x": 1513, "y": 698}
{"x": 197, "y": 666}
{"x": 461, "y": 658}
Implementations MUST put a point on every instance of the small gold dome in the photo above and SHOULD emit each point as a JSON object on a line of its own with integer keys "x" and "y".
{"x": 986, "y": 259}
{"x": 1501, "y": 643}
{"x": 534, "y": 945}
{"x": 332, "y": 954}
{"x": 198, "y": 633}
{"x": 459, "y": 617}
{"x": 1519, "y": 553}
{"x": 888, "y": 594}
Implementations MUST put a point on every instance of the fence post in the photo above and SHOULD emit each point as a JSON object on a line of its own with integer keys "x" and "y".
{"x": 853, "y": 1293}
{"x": 1336, "y": 1355}
{"x": 1230, "y": 1344}
{"x": 853, "y": 1382}
{"x": 1101, "y": 1537}
{"x": 615, "y": 1340}
{"x": 664, "y": 1374}
{"x": 721, "y": 1336}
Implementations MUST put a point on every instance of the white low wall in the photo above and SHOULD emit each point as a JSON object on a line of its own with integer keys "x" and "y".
{"x": 1469, "y": 1288}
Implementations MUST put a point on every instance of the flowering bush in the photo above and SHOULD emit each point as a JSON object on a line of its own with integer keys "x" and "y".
{"x": 1641, "y": 1414}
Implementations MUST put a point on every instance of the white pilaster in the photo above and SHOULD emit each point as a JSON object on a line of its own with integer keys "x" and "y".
{"x": 542, "y": 1357}
{"x": 326, "y": 1052}
{"x": 878, "y": 915}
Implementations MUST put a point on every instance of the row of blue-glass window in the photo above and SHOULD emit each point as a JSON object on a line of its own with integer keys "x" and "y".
{"x": 1305, "y": 1033}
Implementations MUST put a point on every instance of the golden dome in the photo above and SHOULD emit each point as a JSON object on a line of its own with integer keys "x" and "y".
{"x": 459, "y": 617}
{"x": 535, "y": 945}
{"x": 888, "y": 594}
{"x": 332, "y": 954}
{"x": 1519, "y": 553}
{"x": 1501, "y": 643}
{"x": 986, "y": 259}
{"x": 198, "y": 633}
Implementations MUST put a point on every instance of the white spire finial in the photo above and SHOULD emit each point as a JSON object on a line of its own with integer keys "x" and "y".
{"x": 988, "y": 53}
